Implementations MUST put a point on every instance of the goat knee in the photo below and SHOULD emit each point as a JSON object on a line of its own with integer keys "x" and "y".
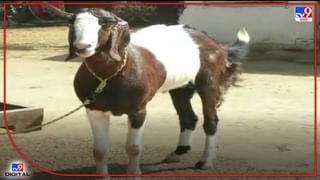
{"x": 188, "y": 121}
{"x": 210, "y": 125}
{"x": 210, "y": 128}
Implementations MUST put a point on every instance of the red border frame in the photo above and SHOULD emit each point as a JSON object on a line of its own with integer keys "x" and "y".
{"x": 314, "y": 4}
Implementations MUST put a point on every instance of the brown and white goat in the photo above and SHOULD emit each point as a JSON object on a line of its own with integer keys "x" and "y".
{"x": 160, "y": 58}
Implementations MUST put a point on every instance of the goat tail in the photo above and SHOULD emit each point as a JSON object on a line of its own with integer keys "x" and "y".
{"x": 239, "y": 49}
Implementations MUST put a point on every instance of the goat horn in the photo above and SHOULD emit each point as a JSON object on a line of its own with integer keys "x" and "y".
{"x": 58, "y": 11}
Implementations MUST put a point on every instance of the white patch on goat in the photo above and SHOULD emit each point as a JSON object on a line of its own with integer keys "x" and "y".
{"x": 212, "y": 56}
{"x": 86, "y": 28}
{"x": 243, "y": 35}
{"x": 134, "y": 149}
{"x": 100, "y": 122}
{"x": 175, "y": 49}
{"x": 209, "y": 153}
{"x": 185, "y": 138}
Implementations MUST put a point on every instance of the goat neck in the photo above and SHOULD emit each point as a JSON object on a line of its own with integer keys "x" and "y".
{"x": 104, "y": 66}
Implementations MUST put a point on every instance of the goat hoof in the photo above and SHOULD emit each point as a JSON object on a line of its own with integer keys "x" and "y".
{"x": 203, "y": 165}
{"x": 172, "y": 158}
{"x": 134, "y": 171}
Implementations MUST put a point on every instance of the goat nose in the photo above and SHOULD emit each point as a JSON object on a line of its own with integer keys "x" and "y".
{"x": 82, "y": 45}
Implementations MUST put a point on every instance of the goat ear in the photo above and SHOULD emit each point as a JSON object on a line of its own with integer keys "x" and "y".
{"x": 119, "y": 39}
{"x": 71, "y": 38}
{"x": 120, "y": 35}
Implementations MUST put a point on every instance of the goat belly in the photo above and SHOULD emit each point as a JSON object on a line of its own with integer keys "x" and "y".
{"x": 175, "y": 49}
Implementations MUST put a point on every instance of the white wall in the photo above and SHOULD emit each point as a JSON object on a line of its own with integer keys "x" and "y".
{"x": 265, "y": 24}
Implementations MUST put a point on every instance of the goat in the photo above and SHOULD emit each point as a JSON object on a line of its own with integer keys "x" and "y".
{"x": 177, "y": 59}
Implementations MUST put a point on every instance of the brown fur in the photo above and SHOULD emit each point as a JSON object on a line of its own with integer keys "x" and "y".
{"x": 127, "y": 92}
{"x": 216, "y": 70}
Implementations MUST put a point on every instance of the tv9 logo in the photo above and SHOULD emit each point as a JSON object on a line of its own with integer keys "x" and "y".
{"x": 17, "y": 167}
{"x": 303, "y": 14}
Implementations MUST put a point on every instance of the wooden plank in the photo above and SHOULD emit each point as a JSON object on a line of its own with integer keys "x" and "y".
{"x": 22, "y": 118}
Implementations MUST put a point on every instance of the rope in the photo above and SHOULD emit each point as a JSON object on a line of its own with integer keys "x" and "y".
{"x": 88, "y": 100}
{"x": 114, "y": 74}
{"x": 103, "y": 82}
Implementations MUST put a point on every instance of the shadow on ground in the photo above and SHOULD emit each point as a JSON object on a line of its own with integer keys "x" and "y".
{"x": 280, "y": 63}
{"x": 26, "y": 46}
{"x": 278, "y": 67}
{"x": 62, "y": 58}
{"x": 113, "y": 168}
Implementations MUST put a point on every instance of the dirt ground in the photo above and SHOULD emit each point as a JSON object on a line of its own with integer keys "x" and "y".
{"x": 266, "y": 124}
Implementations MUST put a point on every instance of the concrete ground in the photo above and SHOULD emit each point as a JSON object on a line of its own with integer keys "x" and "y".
{"x": 266, "y": 126}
